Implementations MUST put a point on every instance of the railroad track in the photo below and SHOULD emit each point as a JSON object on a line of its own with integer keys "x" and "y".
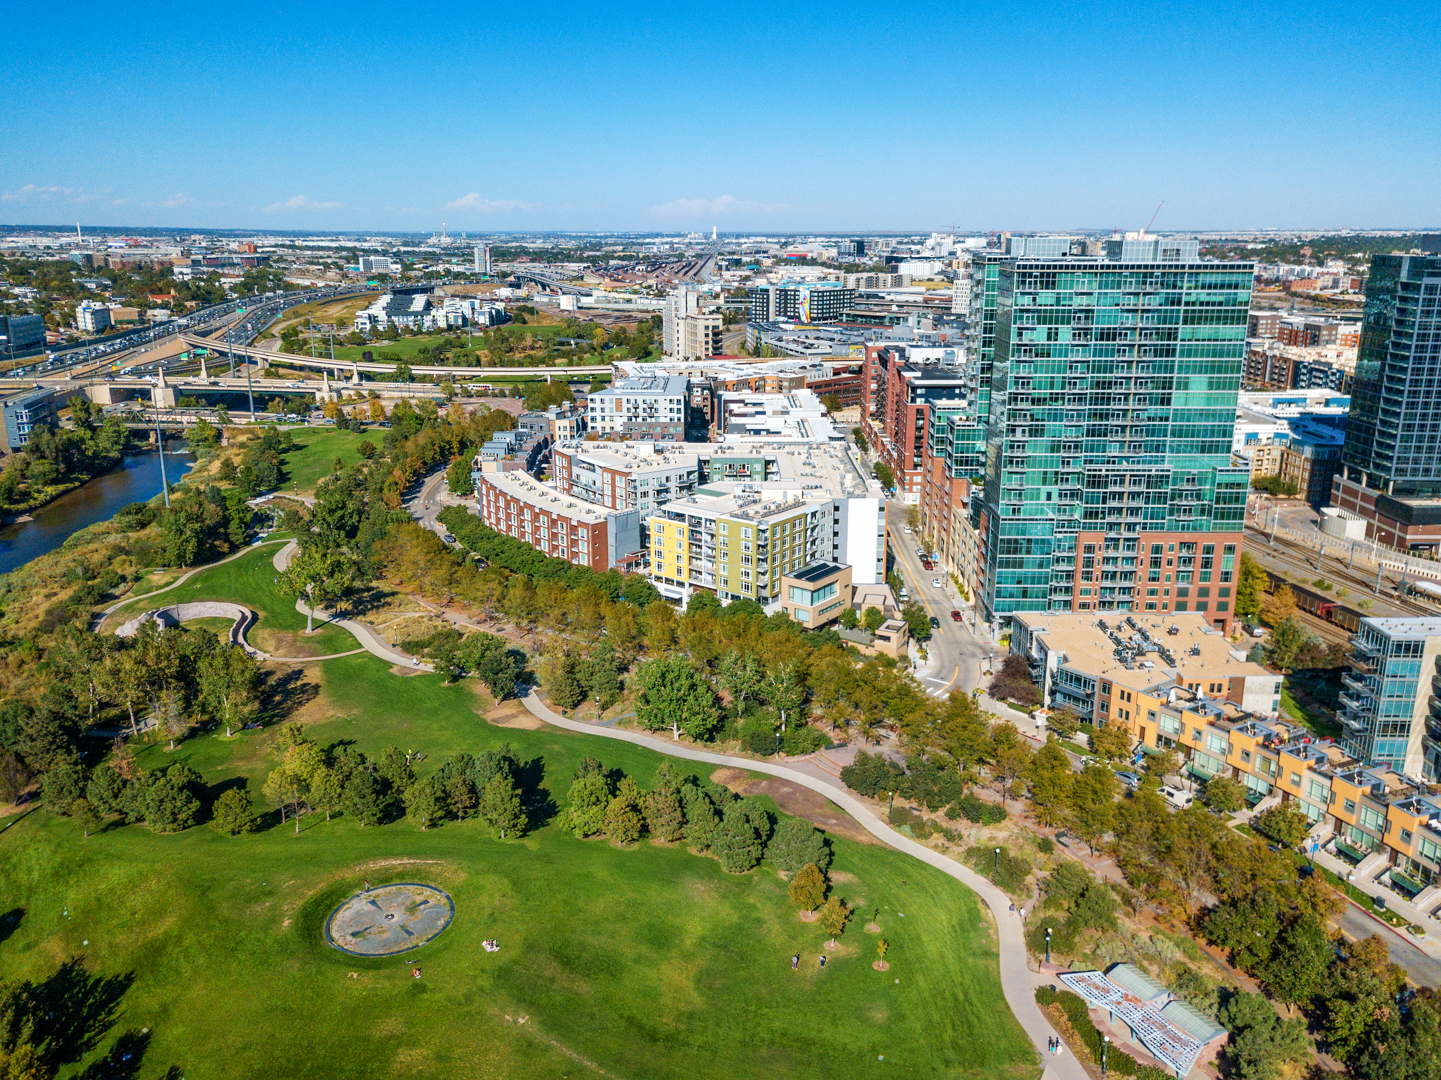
{"x": 1300, "y": 560}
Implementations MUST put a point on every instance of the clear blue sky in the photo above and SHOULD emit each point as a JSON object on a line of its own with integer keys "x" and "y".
{"x": 816, "y": 116}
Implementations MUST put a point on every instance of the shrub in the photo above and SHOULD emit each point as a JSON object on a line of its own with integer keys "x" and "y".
{"x": 873, "y": 775}
{"x": 1008, "y": 872}
{"x": 1074, "y": 1006}
{"x": 976, "y": 810}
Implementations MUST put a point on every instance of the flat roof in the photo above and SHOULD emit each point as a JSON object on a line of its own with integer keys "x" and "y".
{"x": 525, "y": 488}
{"x": 1421, "y": 626}
{"x": 817, "y": 571}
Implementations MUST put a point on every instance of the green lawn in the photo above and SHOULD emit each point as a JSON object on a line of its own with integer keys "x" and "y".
{"x": 315, "y": 452}
{"x": 250, "y": 580}
{"x": 648, "y": 962}
{"x": 1312, "y": 719}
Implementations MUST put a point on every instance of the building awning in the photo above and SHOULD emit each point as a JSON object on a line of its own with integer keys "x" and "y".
{"x": 1407, "y": 885}
{"x": 1148, "y": 749}
{"x": 1354, "y": 854}
{"x": 1204, "y": 777}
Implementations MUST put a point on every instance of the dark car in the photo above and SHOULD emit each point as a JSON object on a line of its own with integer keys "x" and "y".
{"x": 935, "y": 623}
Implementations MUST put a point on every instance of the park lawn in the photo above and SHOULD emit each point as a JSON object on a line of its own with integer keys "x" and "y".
{"x": 1312, "y": 719}
{"x": 250, "y": 580}
{"x": 643, "y": 962}
{"x": 316, "y": 449}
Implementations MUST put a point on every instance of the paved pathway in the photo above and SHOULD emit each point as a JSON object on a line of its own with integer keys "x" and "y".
{"x": 1017, "y": 980}
{"x": 181, "y": 580}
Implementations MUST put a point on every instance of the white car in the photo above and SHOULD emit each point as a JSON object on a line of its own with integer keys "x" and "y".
{"x": 920, "y": 553}
{"x": 935, "y": 583}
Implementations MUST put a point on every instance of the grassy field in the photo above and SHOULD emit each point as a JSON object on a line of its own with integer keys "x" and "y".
{"x": 315, "y": 452}
{"x": 643, "y": 962}
{"x": 250, "y": 580}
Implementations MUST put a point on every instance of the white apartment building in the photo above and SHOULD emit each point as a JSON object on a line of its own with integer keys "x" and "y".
{"x": 92, "y": 318}
{"x": 646, "y": 406}
{"x": 687, "y": 331}
{"x": 377, "y": 264}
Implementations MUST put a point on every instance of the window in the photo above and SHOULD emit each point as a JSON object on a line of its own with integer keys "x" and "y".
{"x": 1349, "y": 806}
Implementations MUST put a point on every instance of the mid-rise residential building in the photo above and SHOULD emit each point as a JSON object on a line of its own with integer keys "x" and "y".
{"x": 556, "y": 524}
{"x": 688, "y": 330}
{"x": 901, "y": 388}
{"x": 801, "y": 302}
{"x": 797, "y": 416}
{"x": 1109, "y": 482}
{"x": 870, "y": 280}
{"x": 650, "y": 407}
{"x": 25, "y": 411}
{"x": 1391, "y": 474}
{"x": 625, "y": 476}
{"x": 92, "y": 317}
{"x": 409, "y": 311}
{"x": 1311, "y": 458}
{"x": 377, "y": 264}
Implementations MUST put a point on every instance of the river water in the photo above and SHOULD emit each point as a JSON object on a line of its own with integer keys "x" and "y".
{"x": 136, "y": 479}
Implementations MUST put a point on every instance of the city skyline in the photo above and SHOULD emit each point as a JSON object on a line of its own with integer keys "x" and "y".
{"x": 591, "y": 118}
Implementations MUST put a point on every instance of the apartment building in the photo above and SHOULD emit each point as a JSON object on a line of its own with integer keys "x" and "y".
{"x": 92, "y": 318}
{"x": 797, "y": 416}
{"x": 641, "y": 407}
{"x": 801, "y": 302}
{"x": 556, "y": 524}
{"x": 378, "y": 264}
{"x": 899, "y": 387}
{"x": 1114, "y": 388}
{"x": 737, "y": 542}
{"x": 688, "y": 330}
{"x": 410, "y": 311}
{"x": 625, "y": 476}
{"x": 1311, "y": 458}
{"x": 24, "y": 411}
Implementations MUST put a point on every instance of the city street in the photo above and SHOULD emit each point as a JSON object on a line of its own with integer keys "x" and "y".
{"x": 956, "y": 653}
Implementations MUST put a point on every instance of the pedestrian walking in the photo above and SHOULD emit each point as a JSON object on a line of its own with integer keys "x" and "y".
{"x": 795, "y": 961}
{"x": 823, "y": 959}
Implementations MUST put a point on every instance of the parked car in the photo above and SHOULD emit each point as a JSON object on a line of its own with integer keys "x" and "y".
{"x": 920, "y": 553}
{"x": 908, "y": 530}
{"x": 926, "y": 564}
{"x": 1130, "y": 779}
{"x": 955, "y": 616}
{"x": 936, "y": 583}
{"x": 449, "y": 539}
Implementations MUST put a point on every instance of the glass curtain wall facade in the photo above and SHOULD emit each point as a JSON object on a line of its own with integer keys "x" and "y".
{"x": 1386, "y": 695}
{"x": 1113, "y": 398}
{"x": 1393, "y": 433}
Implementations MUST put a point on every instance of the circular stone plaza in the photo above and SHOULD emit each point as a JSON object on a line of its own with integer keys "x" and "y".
{"x": 389, "y": 919}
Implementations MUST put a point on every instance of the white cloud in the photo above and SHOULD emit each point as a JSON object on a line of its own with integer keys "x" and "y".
{"x": 32, "y": 193}
{"x": 725, "y": 205}
{"x": 300, "y": 202}
{"x": 473, "y": 201}
{"x": 178, "y": 199}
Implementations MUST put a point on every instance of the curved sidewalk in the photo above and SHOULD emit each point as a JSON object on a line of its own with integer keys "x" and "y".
{"x": 1016, "y": 981}
{"x": 182, "y": 579}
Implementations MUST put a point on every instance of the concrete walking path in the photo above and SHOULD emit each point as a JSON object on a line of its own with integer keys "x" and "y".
{"x": 181, "y": 580}
{"x": 1018, "y": 982}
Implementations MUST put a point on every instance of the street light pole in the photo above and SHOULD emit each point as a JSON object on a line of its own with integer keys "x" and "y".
{"x": 998, "y": 860}
{"x": 1105, "y": 1045}
{"x": 1048, "y": 944}
{"x": 160, "y": 448}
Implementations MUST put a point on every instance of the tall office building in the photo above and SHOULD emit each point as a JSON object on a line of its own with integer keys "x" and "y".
{"x": 1391, "y": 462}
{"x": 1109, "y": 484}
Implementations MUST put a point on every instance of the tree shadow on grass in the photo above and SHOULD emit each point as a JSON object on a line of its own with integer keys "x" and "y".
{"x": 284, "y": 694}
{"x": 123, "y": 1060}
{"x": 10, "y": 922}
{"x": 71, "y": 1012}
{"x": 540, "y": 808}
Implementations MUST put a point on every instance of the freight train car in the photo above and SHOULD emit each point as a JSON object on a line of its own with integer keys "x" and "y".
{"x": 1317, "y": 603}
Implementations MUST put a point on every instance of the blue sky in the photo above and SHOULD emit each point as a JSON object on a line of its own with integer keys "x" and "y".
{"x": 755, "y": 117}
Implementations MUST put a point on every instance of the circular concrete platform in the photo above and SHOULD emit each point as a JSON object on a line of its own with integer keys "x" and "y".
{"x": 389, "y": 919}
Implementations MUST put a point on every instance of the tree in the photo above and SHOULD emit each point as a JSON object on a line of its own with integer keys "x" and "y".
{"x": 701, "y": 820}
{"x": 835, "y": 913}
{"x": 85, "y": 816}
{"x": 287, "y": 788}
{"x": 849, "y": 619}
{"x": 1110, "y": 741}
{"x": 741, "y": 838}
{"x": 1010, "y": 758}
{"x": 1285, "y": 643}
{"x": 664, "y": 815}
{"x": 872, "y": 618}
{"x": 1050, "y": 778}
{"x": 1093, "y": 806}
{"x": 168, "y": 711}
{"x": 363, "y": 798}
{"x": 601, "y": 675}
{"x": 424, "y": 802}
{"x": 1284, "y": 824}
{"x": 785, "y": 692}
{"x": 458, "y": 477}
{"x": 1224, "y": 794}
{"x": 808, "y": 887}
{"x": 1247, "y": 927}
{"x": 566, "y": 691}
{"x": 623, "y": 819}
{"x": 1251, "y": 582}
{"x": 797, "y": 843}
{"x": 1280, "y": 605}
{"x": 233, "y": 812}
{"x": 674, "y": 695}
{"x": 885, "y": 476}
{"x": 1261, "y": 1042}
{"x": 741, "y": 675}
{"x": 1297, "y": 969}
{"x": 502, "y": 807}
{"x": 918, "y": 622}
{"x": 586, "y": 804}
{"x": 318, "y": 575}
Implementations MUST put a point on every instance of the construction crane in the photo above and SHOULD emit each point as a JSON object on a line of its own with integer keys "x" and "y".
{"x": 1153, "y": 217}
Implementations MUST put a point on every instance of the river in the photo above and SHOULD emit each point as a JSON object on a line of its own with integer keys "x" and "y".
{"x": 136, "y": 479}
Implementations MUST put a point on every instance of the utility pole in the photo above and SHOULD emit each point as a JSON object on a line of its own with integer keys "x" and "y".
{"x": 249, "y": 393}
{"x": 160, "y": 447}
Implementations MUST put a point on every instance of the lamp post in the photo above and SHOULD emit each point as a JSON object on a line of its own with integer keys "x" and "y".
{"x": 1048, "y": 944}
{"x": 998, "y": 860}
{"x": 1105, "y": 1045}
{"x": 889, "y": 803}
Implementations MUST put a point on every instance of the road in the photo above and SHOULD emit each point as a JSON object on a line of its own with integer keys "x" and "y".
{"x": 956, "y": 653}
{"x": 1421, "y": 968}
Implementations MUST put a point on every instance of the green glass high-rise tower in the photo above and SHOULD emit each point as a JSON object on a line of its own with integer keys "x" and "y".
{"x": 1114, "y": 379}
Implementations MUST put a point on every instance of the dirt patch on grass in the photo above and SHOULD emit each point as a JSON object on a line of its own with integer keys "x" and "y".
{"x": 735, "y": 779}
{"x": 873, "y": 928}
{"x": 802, "y": 802}
{"x": 286, "y": 643}
{"x": 512, "y": 714}
{"x": 401, "y": 669}
{"x": 807, "y": 916}
{"x": 840, "y": 877}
